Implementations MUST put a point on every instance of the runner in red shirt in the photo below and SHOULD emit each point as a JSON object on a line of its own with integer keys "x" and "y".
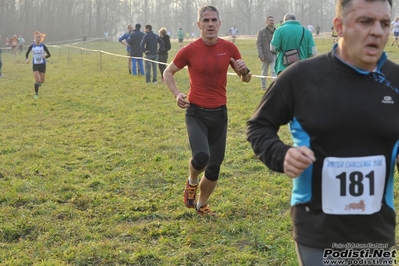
{"x": 208, "y": 60}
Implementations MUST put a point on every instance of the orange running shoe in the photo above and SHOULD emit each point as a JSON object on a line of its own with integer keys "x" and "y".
{"x": 190, "y": 193}
{"x": 204, "y": 210}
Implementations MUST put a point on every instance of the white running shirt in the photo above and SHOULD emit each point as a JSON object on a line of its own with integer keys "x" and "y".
{"x": 395, "y": 26}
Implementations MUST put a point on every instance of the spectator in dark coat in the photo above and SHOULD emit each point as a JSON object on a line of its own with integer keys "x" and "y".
{"x": 163, "y": 54}
{"x": 149, "y": 45}
{"x": 135, "y": 49}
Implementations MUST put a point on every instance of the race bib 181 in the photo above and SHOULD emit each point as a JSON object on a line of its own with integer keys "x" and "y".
{"x": 353, "y": 185}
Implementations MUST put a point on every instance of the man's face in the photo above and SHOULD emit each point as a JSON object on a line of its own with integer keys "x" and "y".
{"x": 363, "y": 33}
{"x": 130, "y": 28}
{"x": 209, "y": 25}
{"x": 270, "y": 22}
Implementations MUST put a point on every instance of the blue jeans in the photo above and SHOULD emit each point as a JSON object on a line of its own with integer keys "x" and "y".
{"x": 148, "y": 65}
{"x": 265, "y": 68}
{"x": 134, "y": 66}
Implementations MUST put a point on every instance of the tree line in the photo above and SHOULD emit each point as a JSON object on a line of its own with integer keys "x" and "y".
{"x": 73, "y": 19}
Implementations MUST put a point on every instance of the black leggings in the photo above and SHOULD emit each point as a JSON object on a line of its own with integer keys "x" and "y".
{"x": 207, "y": 132}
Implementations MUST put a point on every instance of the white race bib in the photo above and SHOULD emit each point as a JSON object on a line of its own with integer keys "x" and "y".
{"x": 353, "y": 185}
{"x": 37, "y": 59}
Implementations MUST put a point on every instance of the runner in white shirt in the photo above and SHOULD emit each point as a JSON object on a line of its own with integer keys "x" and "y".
{"x": 310, "y": 28}
{"x": 395, "y": 30}
{"x": 40, "y": 54}
{"x": 233, "y": 31}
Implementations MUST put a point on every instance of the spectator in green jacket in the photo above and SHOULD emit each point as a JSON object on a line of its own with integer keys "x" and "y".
{"x": 292, "y": 35}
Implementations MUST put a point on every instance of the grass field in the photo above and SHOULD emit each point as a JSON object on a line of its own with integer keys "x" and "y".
{"x": 93, "y": 172}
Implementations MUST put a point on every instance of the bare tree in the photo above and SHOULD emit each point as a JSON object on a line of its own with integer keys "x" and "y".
{"x": 70, "y": 19}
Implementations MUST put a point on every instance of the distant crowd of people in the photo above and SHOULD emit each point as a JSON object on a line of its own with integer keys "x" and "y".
{"x": 155, "y": 48}
{"x": 14, "y": 43}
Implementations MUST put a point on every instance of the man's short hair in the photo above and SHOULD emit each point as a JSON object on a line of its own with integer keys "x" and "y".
{"x": 289, "y": 16}
{"x": 148, "y": 27}
{"x": 208, "y": 8}
{"x": 343, "y": 6}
